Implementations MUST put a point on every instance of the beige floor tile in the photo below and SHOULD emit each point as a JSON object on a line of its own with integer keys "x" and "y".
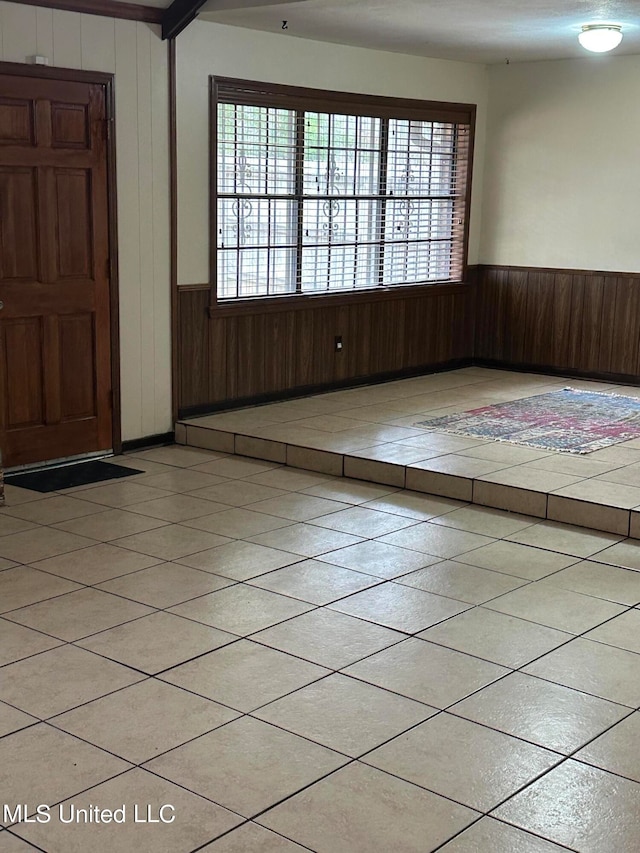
{"x": 581, "y": 807}
{"x": 6, "y": 564}
{"x": 18, "y": 642}
{"x": 179, "y": 480}
{"x": 348, "y": 491}
{"x": 156, "y": 642}
{"x": 344, "y": 714}
{"x": 510, "y": 498}
{"x": 594, "y": 668}
{"x": 237, "y": 493}
{"x": 586, "y": 514}
{"x": 246, "y": 765}
{"x": 500, "y": 451}
{"x": 59, "y": 679}
{"x": 378, "y": 559}
{"x": 95, "y": 564}
{"x": 436, "y": 483}
{"x": 254, "y": 838}
{"x": 196, "y": 819}
{"x": 464, "y": 583}
{"x": 491, "y": 767}
{"x": 314, "y": 581}
{"x": 546, "y": 714}
{"x": 12, "y": 844}
{"x": 328, "y": 638}
{"x": 144, "y": 720}
{"x": 399, "y": 607}
{"x": 241, "y": 609}
{"x": 54, "y": 509}
{"x": 461, "y": 466}
{"x": 10, "y": 525}
{"x": 436, "y": 540}
{"x": 617, "y": 749}
{"x": 557, "y": 608}
{"x": 521, "y": 561}
{"x": 496, "y": 637}
{"x": 306, "y": 539}
{"x": 565, "y": 539}
{"x": 441, "y": 441}
{"x": 165, "y": 585}
{"x": 177, "y": 508}
{"x": 599, "y": 580}
{"x": 260, "y": 448}
{"x": 244, "y": 675}
{"x": 42, "y": 765}
{"x": 329, "y": 423}
{"x": 23, "y": 585}
{"x": 364, "y": 522}
{"x": 110, "y": 524}
{"x": 14, "y": 495}
{"x": 531, "y": 479}
{"x": 78, "y": 614}
{"x": 240, "y": 560}
{"x": 237, "y": 523}
{"x": 33, "y": 545}
{"x": 359, "y": 809}
{"x": 297, "y": 507}
{"x": 289, "y": 479}
{"x": 426, "y": 672}
{"x": 12, "y": 720}
{"x": 171, "y": 541}
{"x": 121, "y": 494}
{"x": 414, "y": 505}
{"x": 625, "y": 554}
{"x": 627, "y": 476}
{"x": 235, "y": 468}
{"x": 563, "y": 463}
{"x": 219, "y": 440}
{"x": 492, "y": 836}
{"x": 388, "y": 473}
{"x": 181, "y": 457}
{"x": 601, "y": 491}
{"x": 623, "y": 632}
{"x": 484, "y": 520}
{"x": 396, "y": 453}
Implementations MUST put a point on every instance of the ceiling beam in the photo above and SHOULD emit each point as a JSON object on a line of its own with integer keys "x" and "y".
{"x": 106, "y": 8}
{"x": 179, "y": 15}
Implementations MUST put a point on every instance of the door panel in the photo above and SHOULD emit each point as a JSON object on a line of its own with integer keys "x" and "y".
{"x": 22, "y": 372}
{"x": 74, "y": 223}
{"x": 55, "y": 330}
{"x": 18, "y": 230}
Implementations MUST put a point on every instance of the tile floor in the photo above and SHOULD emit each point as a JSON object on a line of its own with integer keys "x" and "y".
{"x": 295, "y": 661}
{"x": 374, "y": 433}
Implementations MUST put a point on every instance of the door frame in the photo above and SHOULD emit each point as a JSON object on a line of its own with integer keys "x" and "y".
{"x": 18, "y": 69}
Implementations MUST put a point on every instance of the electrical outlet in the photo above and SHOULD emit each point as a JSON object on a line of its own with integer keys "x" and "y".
{"x": 338, "y": 343}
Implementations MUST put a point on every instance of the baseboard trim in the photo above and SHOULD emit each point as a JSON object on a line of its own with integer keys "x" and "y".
{"x": 566, "y": 372}
{"x": 148, "y": 441}
{"x": 306, "y": 390}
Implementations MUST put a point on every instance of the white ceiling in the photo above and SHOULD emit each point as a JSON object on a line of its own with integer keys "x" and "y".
{"x": 488, "y": 31}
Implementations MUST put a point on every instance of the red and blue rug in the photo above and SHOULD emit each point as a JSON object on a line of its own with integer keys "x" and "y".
{"x": 568, "y": 421}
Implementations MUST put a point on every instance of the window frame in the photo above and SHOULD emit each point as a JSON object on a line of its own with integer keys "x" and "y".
{"x": 249, "y": 92}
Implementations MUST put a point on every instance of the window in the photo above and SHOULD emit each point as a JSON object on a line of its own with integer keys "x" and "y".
{"x": 328, "y": 193}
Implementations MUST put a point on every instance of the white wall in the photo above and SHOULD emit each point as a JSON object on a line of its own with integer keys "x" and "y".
{"x": 138, "y": 57}
{"x": 562, "y": 174}
{"x": 206, "y": 48}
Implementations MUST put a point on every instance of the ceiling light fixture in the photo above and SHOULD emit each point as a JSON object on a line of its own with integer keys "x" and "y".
{"x": 600, "y": 38}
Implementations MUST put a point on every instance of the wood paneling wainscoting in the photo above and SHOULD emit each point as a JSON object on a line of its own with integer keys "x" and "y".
{"x": 233, "y": 355}
{"x": 579, "y": 322}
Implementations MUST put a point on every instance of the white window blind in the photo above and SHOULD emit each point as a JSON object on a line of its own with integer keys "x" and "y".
{"x": 311, "y": 200}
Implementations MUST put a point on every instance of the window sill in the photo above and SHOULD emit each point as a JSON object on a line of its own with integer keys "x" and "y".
{"x": 268, "y": 305}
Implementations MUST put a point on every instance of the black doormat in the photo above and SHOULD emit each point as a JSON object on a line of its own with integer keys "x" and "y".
{"x": 67, "y": 476}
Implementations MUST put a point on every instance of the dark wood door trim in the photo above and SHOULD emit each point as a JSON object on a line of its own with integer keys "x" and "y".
{"x": 105, "y": 8}
{"x": 107, "y": 82}
{"x": 173, "y": 231}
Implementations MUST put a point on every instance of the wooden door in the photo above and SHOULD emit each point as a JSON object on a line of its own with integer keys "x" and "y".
{"x": 55, "y": 331}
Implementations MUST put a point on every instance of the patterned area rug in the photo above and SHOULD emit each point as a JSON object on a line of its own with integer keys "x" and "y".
{"x": 568, "y": 421}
